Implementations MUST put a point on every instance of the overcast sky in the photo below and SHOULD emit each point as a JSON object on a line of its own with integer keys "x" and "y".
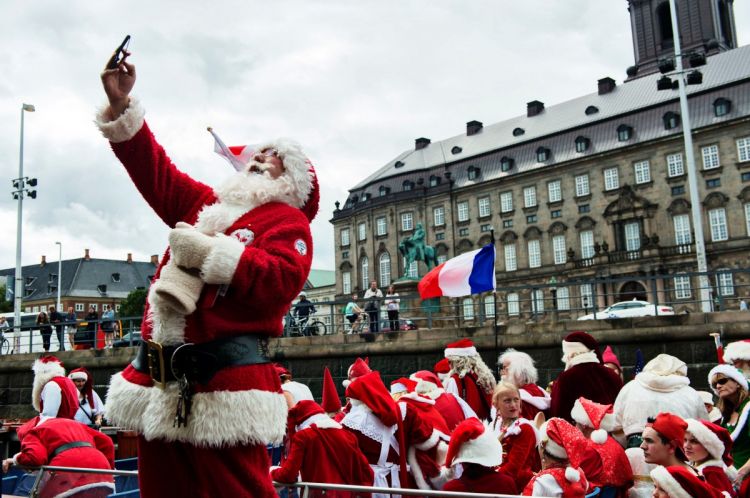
{"x": 354, "y": 81}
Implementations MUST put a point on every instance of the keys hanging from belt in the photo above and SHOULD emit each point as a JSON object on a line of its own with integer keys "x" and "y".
{"x": 184, "y": 403}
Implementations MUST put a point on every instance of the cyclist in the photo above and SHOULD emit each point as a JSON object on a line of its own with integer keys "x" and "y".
{"x": 354, "y": 313}
{"x": 302, "y": 311}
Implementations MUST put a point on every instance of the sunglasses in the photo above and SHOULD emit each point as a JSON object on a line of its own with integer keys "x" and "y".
{"x": 268, "y": 152}
{"x": 720, "y": 382}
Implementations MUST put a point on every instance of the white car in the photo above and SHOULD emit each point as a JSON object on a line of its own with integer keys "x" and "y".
{"x": 627, "y": 309}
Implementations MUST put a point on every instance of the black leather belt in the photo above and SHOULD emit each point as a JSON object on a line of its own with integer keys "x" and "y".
{"x": 70, "y": 446}
{"x": 198, "y": 362}
{"x": 634, "y": 441}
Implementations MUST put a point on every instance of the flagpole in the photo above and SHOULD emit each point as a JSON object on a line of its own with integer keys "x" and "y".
{"x": 494, "y": 296}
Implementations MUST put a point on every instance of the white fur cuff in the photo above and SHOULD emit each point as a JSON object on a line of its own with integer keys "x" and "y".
{"x": 222, "y": 261}
{"x": 430, "y": 442}
{"x": 125, "y": 126}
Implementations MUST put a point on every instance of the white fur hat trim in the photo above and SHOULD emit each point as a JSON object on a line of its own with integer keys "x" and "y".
{"x": 707, "y": 438}
{"x": 727, "y": 371}
{"x": 665, "y": 481}
{"x": 738, "y": 350}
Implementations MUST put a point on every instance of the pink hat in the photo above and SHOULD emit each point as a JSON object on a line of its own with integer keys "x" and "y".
{"x": 679, "y": 482}
{"x": 609, "y": 357}
{"x": 464, "y": 347}
{"x": 715, "y": 438}
{"x": 471, "y": 442}
{"x": 597, "y": 416}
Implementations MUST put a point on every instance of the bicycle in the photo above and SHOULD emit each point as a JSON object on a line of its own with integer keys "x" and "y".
{"x": 363, "y": 325}
{"x": 4, "y": 344}
{"x": 305, "y": 326}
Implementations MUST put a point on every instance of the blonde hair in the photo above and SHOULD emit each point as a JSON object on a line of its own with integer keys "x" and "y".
{"x": 521, "y": 369}
{"x": 726, "y": 406}
{"x": 502, "y": 387}
{"x": 462, "y": 365}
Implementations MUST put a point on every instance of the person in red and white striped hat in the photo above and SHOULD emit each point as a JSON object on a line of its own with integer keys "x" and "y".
{"x": 708, "y": 448}
{"x": 470, "y": 378}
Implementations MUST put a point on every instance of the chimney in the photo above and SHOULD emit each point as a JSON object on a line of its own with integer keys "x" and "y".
{"x": 155, "y": 259}
{"x": 130, "y": 257}
{"x": 473, "y": 127}
{"x": 44, "y": 260}
{"x": 533, "y": 108}
{"x": 606, "y": 85}
{"x": 421, "y": 143}
{"x": 86, "y": 255}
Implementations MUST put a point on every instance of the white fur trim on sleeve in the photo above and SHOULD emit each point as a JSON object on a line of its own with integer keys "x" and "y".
{"x": 125, "y": 126}
{"x": 664, "y": 479}
{"x": 430, "y": 442}
{"x": 222, "y": 261}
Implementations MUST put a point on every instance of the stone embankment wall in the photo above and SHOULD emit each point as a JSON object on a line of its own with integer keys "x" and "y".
{"x": 397, "y": 354}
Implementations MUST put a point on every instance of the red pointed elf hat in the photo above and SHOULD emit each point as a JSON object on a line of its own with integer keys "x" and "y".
{"x": 331, "y": 401}
{"x": 370, "y": 390}
{"x": 357, "y": 369}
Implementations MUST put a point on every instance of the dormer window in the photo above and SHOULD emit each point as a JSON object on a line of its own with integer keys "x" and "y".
{"x": 592, "y": 109}
{"x": 29, "y": 281}
{"x": 722, "y": 107}
{"x": 51, "y": 278}
{"x": 51, "y": 289}
{"x": 517, "y": 132}
{"x": 29, "y": 292}
{"x": 473, "y": 172}
{"x": 456, "y": 150}
{"x": 624, "y": 133}
{"x": 407, "y": 185}
{"x": 398, "y": 164}
{"x": 383, "y": 191}
{"x": 582, "y": 144}
{"x": 435, "y": 181}
{"x": 671, "y": 120}
{"x": 115, "y": 277}
{"x": 506, "y": 163}
{"x": 542, "y": 154}
{"x": 365, "y": 197}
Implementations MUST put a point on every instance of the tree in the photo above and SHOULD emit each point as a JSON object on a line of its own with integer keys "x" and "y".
{"x": 134, "y": 304}
{"x": 5, "y": 306}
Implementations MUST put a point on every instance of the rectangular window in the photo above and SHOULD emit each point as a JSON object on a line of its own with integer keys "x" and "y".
{"x": 584, "y": 208}
{"x": 717, "y": 220}
{"x": 531, "y": 218}
{"x": 463, "y": 232}
{"x": 587, "y": 244}
{"x": 510, "y": 257}
{"x": 507, "y": 223}
{"x": 682, "y": 287}
{"x": 463, "y": 211}
{"x": 587, "y": 296}
{"x": 468, "y": 306}
{"x": 611, "y": 179}
{"x": 682, "y": 235}
{"x": 535, "y": 254}
{"x": 506, "y": 202}
{"x": 345, "y": 254}
{"x": 632, "y": 236}
{"x": 442, "y": 258}
{"x": 554, "y": 191}
{"x": 362, "y": 231}
{"x": 747, "y": 218}
{"x": 79, "y": 307}
{"x": 484, "y": 207}
{"x": 529, "y": 196}
{"x": 381, "y": 226}
{"x": 725, "y": 284}
{"x": 413, "y": 271}
{"x": 710, "y": 155}
{"x": 344, "y": 236}
{"x": 642, "y": 171}
{"x": 95, "y": 306}
{"x": 678, "y": 190}
{"x": 745, "y": 177}
{"x": 713, "y": 182}
{"x": 582, "y": 185}
{"x": 563, "y": 299}
{"x": 438, "y": 216}
{"x": 346, "y": 282}
{"x": 440, "y": 236}
{"x": 674, "y": 165}
{"x": 557, "y": 213}
{"x": 485, "y": 228}
{"x": 743, "y": 149}
{"x": 489, "y": 306}
{"x": 558, "y": 248}
{"x": 537, "y": 300}
{"x": 513, "y": 308}
{"x": 407, "y": 221}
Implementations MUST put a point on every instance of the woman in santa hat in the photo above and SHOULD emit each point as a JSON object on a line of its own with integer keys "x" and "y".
{"x": 708, "y": 448}
{"x": 479, "y": 453}
{"x": 518, "y": 369}
{"x": 679, "y": 482}
{"x": 90, "y": 406}
{"x": 517, "y": 435}
{"x": 560, "y": 445}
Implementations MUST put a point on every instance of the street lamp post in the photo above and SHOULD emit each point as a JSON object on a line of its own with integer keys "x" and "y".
{"x": 59, "y": 277}
{"x": 19, "y": 184}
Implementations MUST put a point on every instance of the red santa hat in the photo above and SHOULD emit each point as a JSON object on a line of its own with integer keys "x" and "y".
{"x": 357, "y": 369}
{"x": 81, "y": 373}
{"x": 729, "y": 372}
{"x": 303, "y": 410}
{"x": 713, "y": 437}
{"x": 442, "y": 368}
{"x": 738, "y": 350}
{"x": 426, "y": 381}
{"x": 608, "y": 356}
{"x": 281, "y": 370}
{"x": 679, "y": 482}
{"x": 597, "y": 416}
{"x": 370, "y": 390}
{"x": 564, "y": 442}
{"x": 580, "y": 342}
{"x": 331, "y": 401}
{"x": 464, "y": 347}
{"x": 471, "y": 442}
{"x": 403, "y": 385}
{"x": 671, "y": 427}
{"x": 45, "y": 369}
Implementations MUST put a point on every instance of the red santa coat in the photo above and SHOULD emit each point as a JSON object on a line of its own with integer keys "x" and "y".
{"x": 593, "y": 381}
{"x": 424, "y": 463}
{"x": 715, "y": 474}
{"x": 39, "y": 443}
{"x": 615, "y": 466}
{"x": 520, "y": 457}
{"x": 482, "y": 480}
{"x": 477, "y": 398}
{"x": 534, "y": 399}
{"x": 325, "y": 454}
{"x": 265, "y": 259}
{"x": 449, "y": 407}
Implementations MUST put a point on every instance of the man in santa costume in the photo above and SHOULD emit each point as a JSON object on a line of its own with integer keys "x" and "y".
{"x": 738, "y": 354}
{"x": 442, "y": 369}
{"x": 202, "y": 388}
{"x": 470, "y": 378}
{"x": 53, "y": 395}
{"x": 321, "y": 451}
{"x": 584, "y": 375}
{"x": 679, "y": 482}
{"x": 596, "y": 421}
{"x": 518, "y": 369}
{"x": 356, "y": 370}
{"x": 453, "y": 409}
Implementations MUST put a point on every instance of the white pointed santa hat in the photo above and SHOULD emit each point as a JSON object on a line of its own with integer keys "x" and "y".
{"x": 471, "y": 442}
{"x": 599, "y": 417}
{"x": 464, "y": 347}
{"x": 738, "y": 350}
{"x": 45, "y": 369}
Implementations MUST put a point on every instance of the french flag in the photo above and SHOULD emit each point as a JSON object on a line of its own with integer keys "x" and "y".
{"x": 470, "y": 273}
{"x": 237, "y": 155}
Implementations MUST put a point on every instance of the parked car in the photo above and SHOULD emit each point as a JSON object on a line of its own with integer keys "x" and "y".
{"x": 628, "y": 309}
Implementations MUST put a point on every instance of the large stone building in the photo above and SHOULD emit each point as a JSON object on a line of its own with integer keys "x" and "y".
{"x": 588, "y": 199}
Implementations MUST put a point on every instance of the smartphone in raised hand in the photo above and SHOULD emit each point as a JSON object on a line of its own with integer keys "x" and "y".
{"x": 114, "y": 61}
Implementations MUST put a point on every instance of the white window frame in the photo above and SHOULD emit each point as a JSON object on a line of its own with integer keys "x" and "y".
{"x": 95, "y": 306}
{"x": 463, "y": 210}
{"x": 554, "y": 191}
{"x": 743, "y": 149}
{"x": 80, "y": 307}
{"x": 724, "y": 283}
{"x": 682, "y": 229}
{"x": 632, "y": 236}
{"x": 514, "y": 308}
{"x": 747, "y": 218}
{"x": 675, "y": 166}
{"x": 467, "y": 305}
{"x": 361, "y": 231}
{"x": 483, "y": 204}
{"x": 559, "y": 249}
{"x": 611, "y": 179}
{"x": 587, "y": 296}
{"x": 509, "y": 253}
{"x": 345, "y": 239}
{"x": 563, "y": 298}
{"x": 506, "y": 202}
{"x": 407, "y": 221}
{"x": 537, "y": 298}
{"x": 529, "y": 196}
{"x": 438, "y": 216}
{"x": 642, "y": 172}
{"x": 384, "y": 269}
{"x": 381, "y": 225}
{"x": 364, "y": 272}
{"x": 717, "y": 220}
{"x": 587, "y": 244}
{"x": 413, "y": 270}
{"x": 682, "y": 287}
{"x": 534, "y": 249}
{"x": 582, "y": 185}
{"x": 710, "y": 155}
{"x": 489, "y": 306}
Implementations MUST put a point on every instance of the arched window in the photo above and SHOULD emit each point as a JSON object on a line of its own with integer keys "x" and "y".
{"x": 722, "y": 107}
{"x": 473, "y": 172}
{"x": 542, "y": 154}
{"x": 434, "y": 180}
{"x": 364, "y": 271}
{"x": 407, "y": 185}
{"x": 582, "y": 144}
{"x": 506, "y": 163}
{"x": 592, "y": 109}
{"x": 384, "y": 265}
{"x": 517, "y": 132}
{"x": 624, "y": 133}
{"x": 456, "y": 150}
{"x": 383, "y": 191}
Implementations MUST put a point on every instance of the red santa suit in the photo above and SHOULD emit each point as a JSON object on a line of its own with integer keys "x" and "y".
{"x": 453, "y": 409}
{"x": 465, "y": 384}
{"x": 53, "y": 395}
{"x": 520, "y": 457}
{"x": 534, "y": 399}
{"x": 259, "y": 252}
{"x": 321, "y": 451}
{"x": 67, "y": 443}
